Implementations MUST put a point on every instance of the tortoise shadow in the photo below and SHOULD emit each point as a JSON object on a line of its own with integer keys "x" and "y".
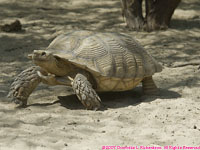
{"x": 112, "y": 99}
{"x": 117, "y": 99}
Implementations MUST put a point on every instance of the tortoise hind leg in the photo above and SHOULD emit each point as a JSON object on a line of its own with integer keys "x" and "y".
{"x": 85, "y": 93}
{"x": 149, "y": 87}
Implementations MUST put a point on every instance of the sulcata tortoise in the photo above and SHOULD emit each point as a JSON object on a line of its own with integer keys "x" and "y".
{"x": 88, "y": 62}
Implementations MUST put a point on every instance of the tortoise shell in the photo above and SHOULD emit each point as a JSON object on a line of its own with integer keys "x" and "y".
{"x": 108, "y": 54}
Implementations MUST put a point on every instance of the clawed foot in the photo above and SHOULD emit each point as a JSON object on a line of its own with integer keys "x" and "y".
{"x": 52, "y": 79}
{"x": 20, "y": 103}
{"x": 49, "y": 79}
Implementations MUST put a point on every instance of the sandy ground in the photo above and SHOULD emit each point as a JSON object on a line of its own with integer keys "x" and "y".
{"x": 55, "y": 119}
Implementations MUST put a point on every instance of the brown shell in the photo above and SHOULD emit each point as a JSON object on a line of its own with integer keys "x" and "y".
{"x": 109, "y": 54}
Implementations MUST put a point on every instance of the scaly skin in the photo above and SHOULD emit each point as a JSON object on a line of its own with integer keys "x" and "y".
{"x": 85, "y": 93}
{"x": 149, "y": 87}
{"x": 24, "y": 84}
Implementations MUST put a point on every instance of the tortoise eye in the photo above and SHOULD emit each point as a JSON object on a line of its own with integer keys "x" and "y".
{"x": 43, "y": 54}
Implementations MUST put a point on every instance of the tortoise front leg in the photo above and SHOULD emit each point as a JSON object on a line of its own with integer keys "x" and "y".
{"x": 149, "y": 87}
{"x": 85, "y": 93}
{"x": 24, "y": 84}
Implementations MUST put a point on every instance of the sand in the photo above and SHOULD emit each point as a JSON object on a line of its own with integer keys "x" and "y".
{"x": 56, "y": 120}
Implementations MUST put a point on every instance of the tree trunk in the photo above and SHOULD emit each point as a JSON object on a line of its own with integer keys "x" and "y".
{"x": 158, "y": 13}
{"x": 132, "y": 11}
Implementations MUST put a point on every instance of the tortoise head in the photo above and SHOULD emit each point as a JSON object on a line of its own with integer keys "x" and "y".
{"x": 44, "y": 59}
{"x": 41, "y": 57}
{"x": 49, "y": 62}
